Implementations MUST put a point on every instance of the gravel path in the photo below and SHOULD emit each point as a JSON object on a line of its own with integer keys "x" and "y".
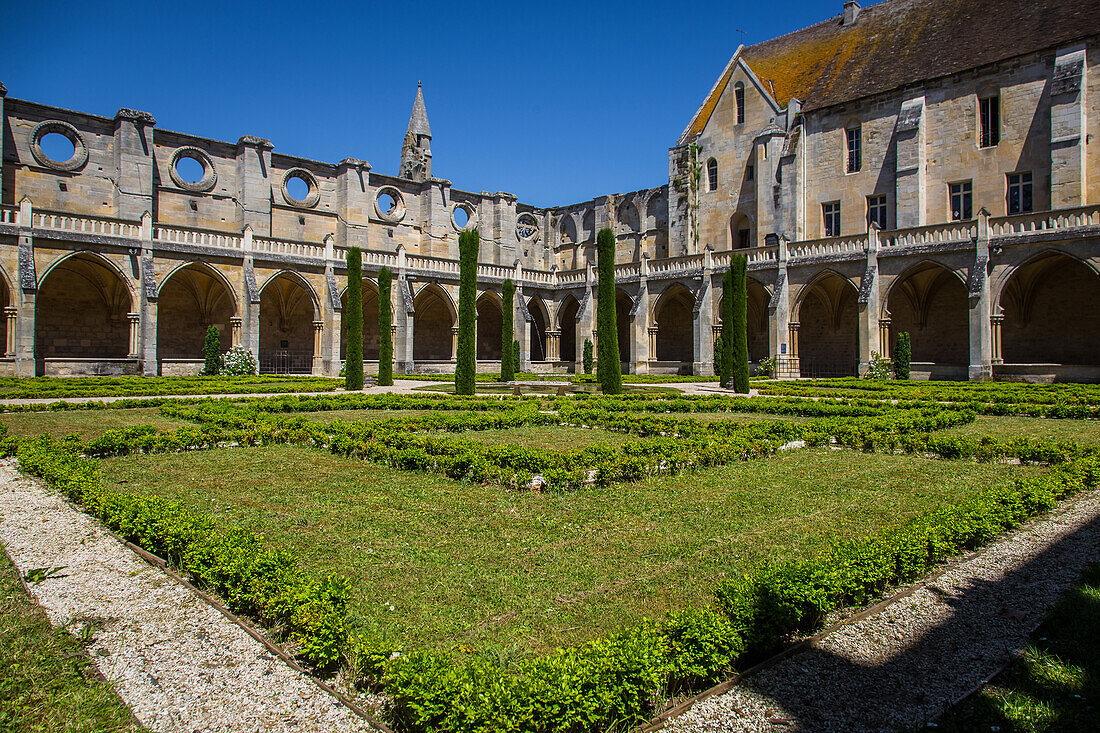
{"x": 903, "y": 666}
{"x": 178, "y": 663}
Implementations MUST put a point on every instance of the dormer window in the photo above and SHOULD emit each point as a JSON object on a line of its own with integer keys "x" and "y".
{"x": 712, "y": 175}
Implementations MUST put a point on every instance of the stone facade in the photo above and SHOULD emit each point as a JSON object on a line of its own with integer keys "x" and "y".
{"x": 117, "y": 259}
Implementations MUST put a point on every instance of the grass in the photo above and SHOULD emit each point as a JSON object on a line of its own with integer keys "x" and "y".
{"x": 1009, "y": 427}
{"x": 440, "y": 563}
{"x": 1055, "y": 685}
{"x": 47, "y": 681}
{"x": 85, "y": 423}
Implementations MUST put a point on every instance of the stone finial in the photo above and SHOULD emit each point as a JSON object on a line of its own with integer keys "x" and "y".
{"x": 416, "y": 150}
{"x": 256, "y": 142}
{"x": 135, "y": 115}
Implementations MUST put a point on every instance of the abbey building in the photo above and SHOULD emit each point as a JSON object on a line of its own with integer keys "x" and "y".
{"x": 928, "y": 166}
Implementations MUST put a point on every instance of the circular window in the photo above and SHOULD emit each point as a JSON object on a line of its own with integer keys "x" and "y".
{"x": 389, "y": 204}
{"x": 527, "y": 227}
{"x": 56, "y": 144}
{"x": 300, "y": 188}
{"x": 192, "y": 170}
{"x": 463, "y": 216}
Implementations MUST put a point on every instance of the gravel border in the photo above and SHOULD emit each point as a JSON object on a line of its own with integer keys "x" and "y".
{"x": 177, "y": 662}
{"x": 905, "y": 665}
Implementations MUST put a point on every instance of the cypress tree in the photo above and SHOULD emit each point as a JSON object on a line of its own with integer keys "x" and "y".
{"x": 468, "y": 244}
{"x": 385, "y": 328}
{"x": 213, "y": 351}
{"x": 739, "y": 348}
{"x": 508, "y": 332}
{"x": 587, "y": 357}
{"x": 608, "y": 369}
{"x": 515, "y": 355}
{"x": 725, "y": 341}
{"x": 903, "y": 354}
{"x": 353, "y": 322}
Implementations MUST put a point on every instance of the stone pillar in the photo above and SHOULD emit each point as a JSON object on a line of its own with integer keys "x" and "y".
{"x": 10, "y": 315}
{"x": 454, "y": 344}
{"x": 254, "y": 183}
{"x": 404, "y": 321}
{"x": 869, "y": 304}
{"x": 553, "y": 346}
{"x": 25, "y": 358}
{"x": 1068, "y": 166}
{"x": 792, "y": 337}
{"x": 330, "y": 344}
{"x": 909, "y": 192}
{"x": 995, "y": 323}
{"x": 133, "y": 149}
{"x": 639, "y": 332}
{"x": 148, "y": 300}
{"x": 318, "y": 348}
{"x": 235, "y": 330}
{"x": 779, "y": 312}
{"x": 135, "y": 335}
{"x": 703, "y": 316}
{"x": 884, "y": 336}
{"x": 981, "y": 337}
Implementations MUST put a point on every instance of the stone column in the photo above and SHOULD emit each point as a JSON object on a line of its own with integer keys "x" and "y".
{"x": 884, "y": 336}
{"x": 404, "y": 321}
{"x": 653, "y": 343}
{"x": 553, "y": 346}
{"x": 235, "y": 330}
{"x": 995, "y": 332}
{"x": 869, "y": 304}
{"x": 318, "y": 349}
{"x": 454, "y": 344}
{"x": 640, "y": 351}
{"x": 779, "y": 314}
{"x": 703, "y": 316}
{"x": 25, "y": 358}
{"x": 981, "y": 337}
{"x": 148, "y": 299}
{"x": 794, "y": 366}
{"x": 10, "y": 314}
{"x": 135, "y": 335}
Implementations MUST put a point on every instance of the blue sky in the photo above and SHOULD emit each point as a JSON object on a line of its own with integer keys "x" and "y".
{"x": 555, "y": 102}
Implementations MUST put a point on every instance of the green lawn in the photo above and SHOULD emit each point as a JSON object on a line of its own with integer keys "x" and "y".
{"x": 47, "y": 681}
{"x": 441, "y": 563}
{"x": 85, "y": 423}
{"x": 1055, "y": 686}
{"x": 1009, "y": 427}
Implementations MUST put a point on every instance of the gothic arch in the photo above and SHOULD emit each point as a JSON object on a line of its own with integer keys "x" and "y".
{"x": 490, "y": 326}
{"x": 739, "y": 223}
{"x": 623, "y": 305}
{"x": 433, "y": 322}
{"x": 930, "y": 302}
{"x": 82, "y": 309}
{"x": 567, "y": 325}
{"x": 567, "y": 229}
{"x": 104, "y": 261}
{"x": 288, "y": 309}
{"x": 192, "y": 297}
{"x": 828, "y": 317}
{"x": 673, "y": 316}
{"x": 371, "y": 336}
{"x": 540, "y": 320}
{"x": 627, "y": 216}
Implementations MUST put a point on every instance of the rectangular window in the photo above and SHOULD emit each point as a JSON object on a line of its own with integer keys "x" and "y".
{"x": 742, "y": 238}
{"x": 750, "y": 172}
{"x": 962, "y": 201}
{"x": 832, "y": 218}
{"x": 989, "y": 109}
{"x": 876, "y": 211}
{"x": 855, "y": 155}
{"x": 739, "y": 94}
{"x": 1019, "y": 192}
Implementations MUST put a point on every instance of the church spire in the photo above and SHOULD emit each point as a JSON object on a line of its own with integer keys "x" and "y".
{"x": 416, "y": 152}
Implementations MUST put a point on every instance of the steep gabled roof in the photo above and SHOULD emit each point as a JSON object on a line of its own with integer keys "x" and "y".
{"x": 902, "y": 42}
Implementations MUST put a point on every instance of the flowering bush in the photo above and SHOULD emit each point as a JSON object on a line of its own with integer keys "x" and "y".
{"x": 879, "y": 368}
{"x": 238, "y": 362}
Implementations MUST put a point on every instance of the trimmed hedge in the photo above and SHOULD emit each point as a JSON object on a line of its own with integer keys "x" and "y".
{"x": 212, "y": 350}
{"x": 353, "y": 326}
{"x": 903, "y": 353}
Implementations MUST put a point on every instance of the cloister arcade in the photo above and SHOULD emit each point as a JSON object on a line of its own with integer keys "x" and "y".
{"x": 289, "y": 317}
{"x": 83, "y": 308}
{"x": 194, "y": 297}
{"x": 828, "y": 327}
{"x": 371, "y": 337}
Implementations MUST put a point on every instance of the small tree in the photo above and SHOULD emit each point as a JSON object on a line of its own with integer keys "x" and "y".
{"x": 212, "y": 349}
{"x": 725, "y": 362}
{"x": 515, "y": 355}
{"x": 608, "y": 368}
{"x": 353, "y": 322}
{"x": 508, "y": 332}
{"x": 719, "y": 349}
{"x": 587, "y": 356}
{"x": 385, "y": 328}
{"x": 466, "y": 359}
{"x": 903, "y": 355}
{"x": 739, "y": 348}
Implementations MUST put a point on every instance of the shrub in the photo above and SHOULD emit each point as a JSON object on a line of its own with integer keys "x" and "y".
{"x": 739, "y": 347}
{"x": 469, "y": 243}
{"x": 586, "y": 360}
{"x": 213, "y": 351}
{"x": 508, "y": 364}
{"x": 353, "y": 356}
{"x": 608, "y": 368}
{"x": 903, "y": 354}
{"x": 238, "y": 362}
{"x": 766, "y": 367}
{"x": 385, "y": 328}
{"x": 879, "y": 368}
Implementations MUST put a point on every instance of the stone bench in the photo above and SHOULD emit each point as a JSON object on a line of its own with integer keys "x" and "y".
{"x": 517, "y": 386}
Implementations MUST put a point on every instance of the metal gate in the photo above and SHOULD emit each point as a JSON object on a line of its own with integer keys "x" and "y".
{"x": 286, "y": 361}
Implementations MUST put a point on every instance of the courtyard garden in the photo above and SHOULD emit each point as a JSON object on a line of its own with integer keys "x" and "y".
{"x": 491, "y": 562}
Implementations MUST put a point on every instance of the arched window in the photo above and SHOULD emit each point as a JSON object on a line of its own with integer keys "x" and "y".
{"x": 712, "y": 175}
{"x": 739, "y": 98}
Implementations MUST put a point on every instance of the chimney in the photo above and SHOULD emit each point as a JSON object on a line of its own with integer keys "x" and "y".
{"x": 851, "y": 12}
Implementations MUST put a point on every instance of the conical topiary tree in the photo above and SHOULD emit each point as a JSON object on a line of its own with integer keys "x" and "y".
{"x": 385, "y": 328}
{"x": 608, "y": 369}
{"x": 212, "y": 350}
{"x": 724, "y": 362}
{"x": 586, "y": 357}
{"x": 739, "y": 348}
{"x": 903, "y": 355}
{"x": 515, "y": 355}
{"x": 507, "y": 332}
{"x": 353, "y": 322}
{"x": 466, "y": 359}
